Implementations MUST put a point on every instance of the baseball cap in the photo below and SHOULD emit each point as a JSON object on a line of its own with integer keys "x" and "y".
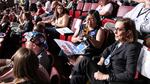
{"x": 37, "y": 38}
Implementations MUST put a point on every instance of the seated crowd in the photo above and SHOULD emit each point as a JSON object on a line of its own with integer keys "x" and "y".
{"x": 28, "y": 51}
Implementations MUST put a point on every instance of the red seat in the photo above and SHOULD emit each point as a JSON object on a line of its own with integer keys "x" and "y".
{"x": 87, "y": 7}
{"x": 107, "y": 20}
{"x": 123, "y": 10}
{"x": 94, "y": 6}
{"x": 71, "y": 13}
{"x": 80, "y": 6}
{"x": 84, "y": 13}
{"x": 75, "y": 24}
{"x": 77, "y": 13}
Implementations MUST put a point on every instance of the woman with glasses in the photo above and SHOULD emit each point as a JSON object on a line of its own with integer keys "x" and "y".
{"x": 91, "y": 32}
{"x": 60, "y": 17}
{"x": 117, "y": 64}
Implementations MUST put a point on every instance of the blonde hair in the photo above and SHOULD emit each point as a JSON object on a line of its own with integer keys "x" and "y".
{"x": 26, "y": 64}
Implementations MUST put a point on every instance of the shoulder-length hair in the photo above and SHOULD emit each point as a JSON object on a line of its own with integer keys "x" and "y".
{"x": 96, "y": 16}
{"x": 28, "y": 15}
{"x": 130, "y": 28}
{"x": 56, "y": 14}
{"x": 26, "y": 64}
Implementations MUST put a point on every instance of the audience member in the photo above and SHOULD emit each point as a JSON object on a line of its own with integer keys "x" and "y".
{"x": 27, "y": 24}
{"x": 49, "y": 15}
{"x": 48, "y": 6}
{"x": 92, "y": 29}
{"x": 105, "y": 8}
{"x": 60, "y": 19}
{"x": 5, "y": 22}
{"x": 117, "y": 64}
{"x": 26, "y": 68}
{"x": 70, "y": 4}
{"x": 40, "y": 9}
{"x": 126, "y": 2}
{"x": 37, "y": 42}
{"x": 141, "y": 16}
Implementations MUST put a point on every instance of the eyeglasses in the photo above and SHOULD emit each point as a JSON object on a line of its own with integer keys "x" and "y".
{"x": 119, "y": 29}
{"x": 59, "y": 8}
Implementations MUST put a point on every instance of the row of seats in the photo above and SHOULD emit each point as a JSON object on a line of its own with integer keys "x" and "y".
{"x": 83, "y": 8}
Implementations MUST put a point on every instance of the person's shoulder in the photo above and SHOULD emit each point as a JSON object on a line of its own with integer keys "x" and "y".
{"x": 110, "y": 4}
{"x": 48, "y": 2}
{"x": 66, "y": 15}
{"x": 135, "y": 45}
{"x": 139, "y": 5}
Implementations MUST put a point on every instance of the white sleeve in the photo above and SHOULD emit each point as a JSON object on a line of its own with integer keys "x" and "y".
{"x": 47, "y": 5}
{"x": 108, "y": 8}
{"x": 134, "y": 11}
{"x": 98, "y": 8}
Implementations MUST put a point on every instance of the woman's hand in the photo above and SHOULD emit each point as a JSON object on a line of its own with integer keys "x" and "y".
{"x": 79, "y": 38}
{"x": 101, "y": 61}
{"x": 100, "y": 76}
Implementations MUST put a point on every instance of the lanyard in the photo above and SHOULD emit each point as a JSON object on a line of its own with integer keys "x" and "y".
{"x": 141, "y": 13}
{"x": 107, "y": 60}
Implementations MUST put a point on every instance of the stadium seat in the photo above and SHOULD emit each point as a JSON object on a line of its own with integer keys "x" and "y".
{"x": 80, "y": 6}
{"x": 77, "y": 13}
{"x": 94, "y": 6}
{"x": 71, "y": 13}
{"x": 75, "y": 24}
{"x": 123, "y": 10}
{"x": 86, "y": 8}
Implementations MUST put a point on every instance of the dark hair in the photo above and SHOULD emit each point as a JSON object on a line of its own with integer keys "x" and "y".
{"x": 5, "y": 18}
{"x": 40, "y": 27}
{"x": 28, "y": 15}
{"x": 147, "y": 40}
{"x": 39, "y": 5}
{"x": 37, "y": 19}
{"x": 96, "y": 16}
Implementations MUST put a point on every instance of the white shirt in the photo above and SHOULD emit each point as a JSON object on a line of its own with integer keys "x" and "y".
{"x": 108, "y": 8}
{"x": 140, "y": 18}
{"x": 48, "y": 6}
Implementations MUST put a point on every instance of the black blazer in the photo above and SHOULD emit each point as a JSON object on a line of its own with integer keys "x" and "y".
{"x": 123, "y": 62}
